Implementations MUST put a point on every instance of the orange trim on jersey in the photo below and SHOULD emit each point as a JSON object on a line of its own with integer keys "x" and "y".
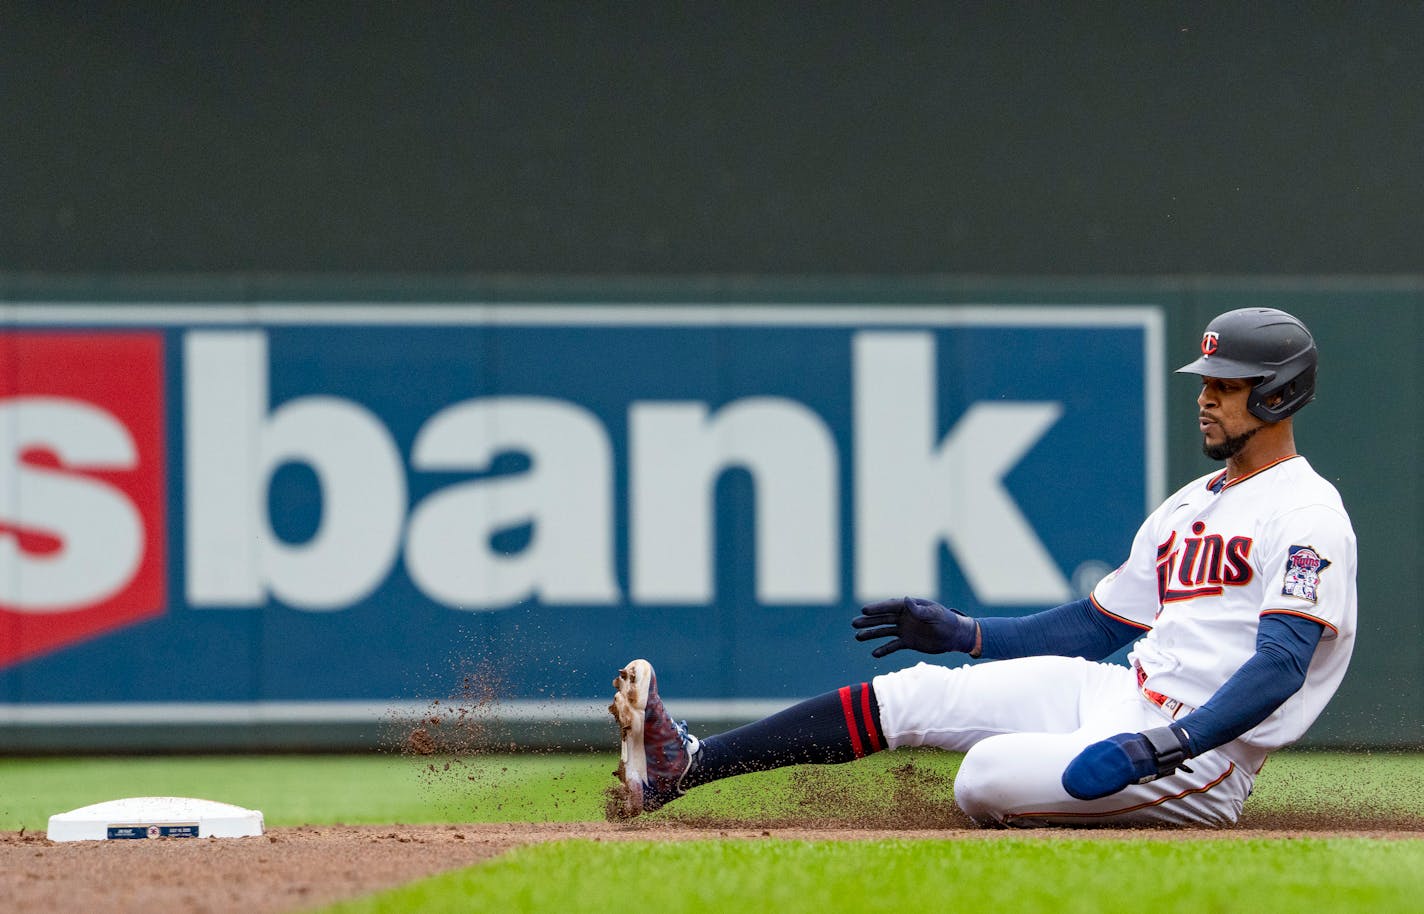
{"x": 1094, "y": 600}
{"x": 1211, "y": 483}
{"x": 1127, "y": 809}
{"x": 1292, "y": 612}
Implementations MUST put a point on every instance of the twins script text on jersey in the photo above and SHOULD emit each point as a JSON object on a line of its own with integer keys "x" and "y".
{"x": 1202, "y": 566}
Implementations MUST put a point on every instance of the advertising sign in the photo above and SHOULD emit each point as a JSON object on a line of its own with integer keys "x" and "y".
{"x": 274, "y": 506}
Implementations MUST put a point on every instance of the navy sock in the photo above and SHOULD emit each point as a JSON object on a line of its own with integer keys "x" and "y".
{"x": 838, "y": 726}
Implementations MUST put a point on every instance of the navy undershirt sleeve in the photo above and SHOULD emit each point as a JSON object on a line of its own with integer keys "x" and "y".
{"x": 1284, "y": 646}
{"x": 1077, "y": 629}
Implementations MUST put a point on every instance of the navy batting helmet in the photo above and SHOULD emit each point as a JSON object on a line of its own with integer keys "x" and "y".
{"x": 1265, "y": 344}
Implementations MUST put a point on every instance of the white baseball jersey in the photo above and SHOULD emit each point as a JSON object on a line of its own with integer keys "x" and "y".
{"x": 1214, "y": 559}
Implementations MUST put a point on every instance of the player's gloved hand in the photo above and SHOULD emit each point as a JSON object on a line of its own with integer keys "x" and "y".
{"x": 919, "y": 625}
{"x": 1108, "y": 766}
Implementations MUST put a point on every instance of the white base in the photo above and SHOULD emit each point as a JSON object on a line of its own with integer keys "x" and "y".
{"x": 155, "y": 817}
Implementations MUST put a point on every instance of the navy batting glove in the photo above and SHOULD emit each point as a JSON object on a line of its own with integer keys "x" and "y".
{"x": 917, "y": 625}
{"x": 1108, "y": 766}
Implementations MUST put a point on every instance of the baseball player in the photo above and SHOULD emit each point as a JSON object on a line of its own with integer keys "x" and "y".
{"x": 1239, "y": 592}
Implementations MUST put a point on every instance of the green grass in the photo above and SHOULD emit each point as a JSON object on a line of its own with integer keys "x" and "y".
{"x": 1010, "y": 874}
{"x": 385, "y": 789}
{"x": 318, "y": 790}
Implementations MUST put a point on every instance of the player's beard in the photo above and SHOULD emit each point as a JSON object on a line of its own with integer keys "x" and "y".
{"x": 1230, "y": 447}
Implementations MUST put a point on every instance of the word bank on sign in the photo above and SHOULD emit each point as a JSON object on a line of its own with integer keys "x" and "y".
{"x": 221, "y": 487}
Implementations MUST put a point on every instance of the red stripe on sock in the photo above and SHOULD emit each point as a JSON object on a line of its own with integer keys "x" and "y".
{"x": 849, "y": 710}
{"x": 869, "y": 721}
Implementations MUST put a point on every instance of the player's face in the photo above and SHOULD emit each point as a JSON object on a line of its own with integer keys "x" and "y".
{"x": 1226, "y": 423}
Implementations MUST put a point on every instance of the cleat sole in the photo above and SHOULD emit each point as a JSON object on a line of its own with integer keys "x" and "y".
{"x": 630, "y": 701}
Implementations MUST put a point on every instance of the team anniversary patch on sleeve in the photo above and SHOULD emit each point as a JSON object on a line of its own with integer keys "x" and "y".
{"x": 1303, "y": 568}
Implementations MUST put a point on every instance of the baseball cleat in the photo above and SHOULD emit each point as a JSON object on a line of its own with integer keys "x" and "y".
{"x": 656, "y": 751}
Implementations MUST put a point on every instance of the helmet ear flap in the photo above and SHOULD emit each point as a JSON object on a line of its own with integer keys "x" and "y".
{"x": 1272, "y": 400}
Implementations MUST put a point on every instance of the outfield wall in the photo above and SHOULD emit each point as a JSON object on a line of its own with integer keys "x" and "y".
{"x": 257, "y": 521}
{"x": 729, "y": 139}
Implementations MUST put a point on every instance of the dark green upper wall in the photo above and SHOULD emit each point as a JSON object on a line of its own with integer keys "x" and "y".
{"x": 658, "y": 138}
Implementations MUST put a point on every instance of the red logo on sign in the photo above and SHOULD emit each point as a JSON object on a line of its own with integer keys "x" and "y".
{"x": 81, "y": 487}
{"x": 1210, "y": 340}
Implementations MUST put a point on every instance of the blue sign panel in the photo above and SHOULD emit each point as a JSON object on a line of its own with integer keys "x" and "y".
{"x": 338, "y": 504}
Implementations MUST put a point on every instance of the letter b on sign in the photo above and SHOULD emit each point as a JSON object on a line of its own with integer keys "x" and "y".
{"x": 81, "y": 487}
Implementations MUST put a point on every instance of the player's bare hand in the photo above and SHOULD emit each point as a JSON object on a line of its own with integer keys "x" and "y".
{"x": 915, "y": 624}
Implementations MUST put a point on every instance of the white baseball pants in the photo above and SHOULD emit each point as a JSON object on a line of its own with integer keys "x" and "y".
{"x": 1022, "y": 721}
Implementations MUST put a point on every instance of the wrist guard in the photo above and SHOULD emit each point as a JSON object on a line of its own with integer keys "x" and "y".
{"x": 1169, "y": 750}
